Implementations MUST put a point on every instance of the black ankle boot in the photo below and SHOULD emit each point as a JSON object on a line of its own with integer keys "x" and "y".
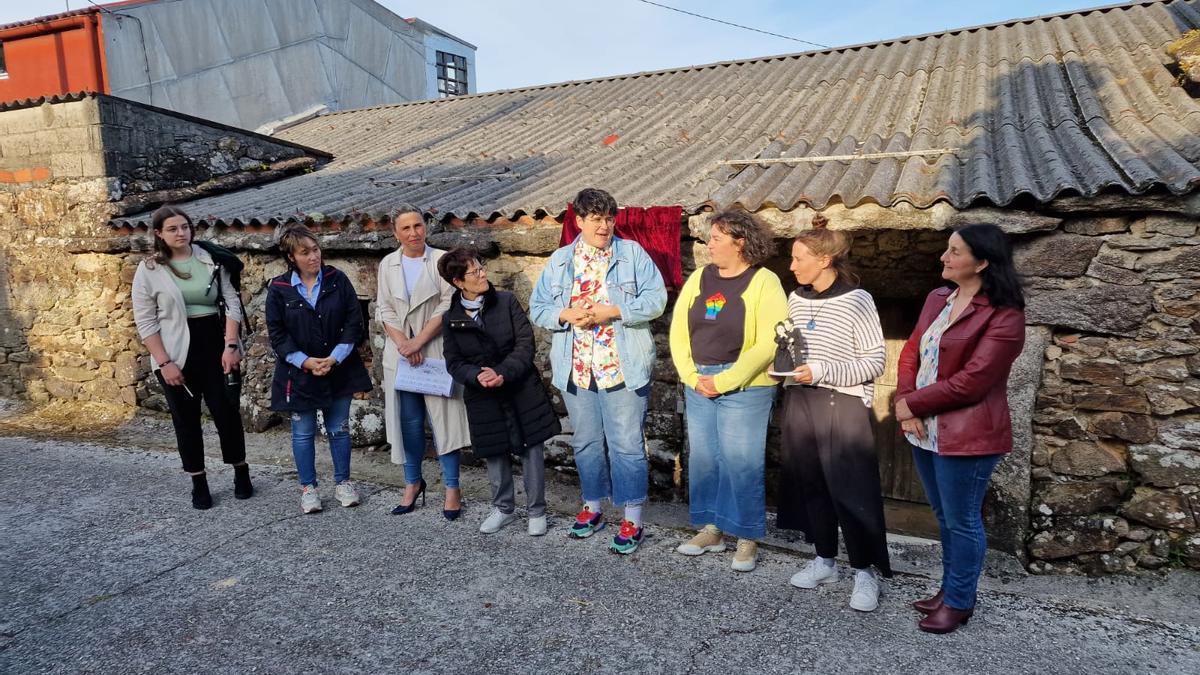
{"x": 242, "y": 488}
{"x": 201, "y": 497}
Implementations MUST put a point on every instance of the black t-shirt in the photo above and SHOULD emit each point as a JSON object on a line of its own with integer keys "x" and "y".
{"x": 717, "y": 318}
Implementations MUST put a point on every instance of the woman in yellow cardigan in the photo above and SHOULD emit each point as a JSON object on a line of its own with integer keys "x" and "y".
{"x": 722, "y": 342}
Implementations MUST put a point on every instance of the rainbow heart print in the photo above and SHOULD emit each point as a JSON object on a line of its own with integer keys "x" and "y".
{"x": 713, "y": 306}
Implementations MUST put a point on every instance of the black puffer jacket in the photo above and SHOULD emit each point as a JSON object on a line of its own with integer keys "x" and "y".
{"x": 295, "y": 326}
{"x": 517, "y": 414}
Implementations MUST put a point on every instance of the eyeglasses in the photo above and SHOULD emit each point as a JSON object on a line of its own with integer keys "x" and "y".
{"x": 477, "y": 272}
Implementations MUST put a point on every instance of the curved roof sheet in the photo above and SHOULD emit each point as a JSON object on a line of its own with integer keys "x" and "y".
{"x": 1076, "y": 103}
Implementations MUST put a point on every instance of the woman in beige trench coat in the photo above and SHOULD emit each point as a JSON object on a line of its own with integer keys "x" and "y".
{"x": 411, "y": 300}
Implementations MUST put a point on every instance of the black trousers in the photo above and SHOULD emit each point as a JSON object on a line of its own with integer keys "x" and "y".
{"x": 202, "y": 375}
{"x": 830, "y": 476}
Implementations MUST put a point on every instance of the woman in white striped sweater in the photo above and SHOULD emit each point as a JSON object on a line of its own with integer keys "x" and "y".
{"x": 830, "y": 475}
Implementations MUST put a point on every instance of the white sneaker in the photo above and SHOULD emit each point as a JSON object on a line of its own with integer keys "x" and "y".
{"x": 310, "y": 499}
{"x": 495, "y": 521}
{"x": 346, "y": 493}
{"x": 537, "y": 526}
{"x": 865, "y": 597}
{"x": 814, "y": 574}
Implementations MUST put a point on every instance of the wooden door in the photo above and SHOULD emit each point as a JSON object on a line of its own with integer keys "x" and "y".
{"x": 896, "y": 472}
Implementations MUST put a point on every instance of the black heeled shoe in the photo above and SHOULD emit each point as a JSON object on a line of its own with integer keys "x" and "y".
{"x": 407, "y": 508}
{"x": 453, "y": 514}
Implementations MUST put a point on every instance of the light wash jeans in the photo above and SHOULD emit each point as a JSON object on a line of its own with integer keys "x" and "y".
{"x": 304, "y": 446}
{"x": 616, "y": 419}
{"x": 727, "y": 438}
{"x": 956, "y": 487}
{"x": 412, "y": 435}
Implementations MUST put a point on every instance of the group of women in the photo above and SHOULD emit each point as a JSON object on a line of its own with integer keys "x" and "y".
{"x": 734, "y": 337}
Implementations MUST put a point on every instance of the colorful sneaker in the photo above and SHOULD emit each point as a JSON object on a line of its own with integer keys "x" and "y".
{"x": 586, "y": 524}
{"x": 627, "y": 538}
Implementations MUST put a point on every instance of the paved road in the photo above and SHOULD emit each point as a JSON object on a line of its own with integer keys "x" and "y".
{"x": 106, "y": 568}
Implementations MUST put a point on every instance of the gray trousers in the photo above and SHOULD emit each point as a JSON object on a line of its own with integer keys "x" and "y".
{"x": 500, "y": 475}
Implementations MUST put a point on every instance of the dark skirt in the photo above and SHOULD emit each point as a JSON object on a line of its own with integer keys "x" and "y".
{"x": 830, "y": 476}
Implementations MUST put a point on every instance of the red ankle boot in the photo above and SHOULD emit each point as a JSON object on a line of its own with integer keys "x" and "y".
{"x": 929, "y": 605}
{"x": 945, "y": 619}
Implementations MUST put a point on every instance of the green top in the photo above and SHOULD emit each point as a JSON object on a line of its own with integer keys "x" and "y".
{"x": 199, "y": 296}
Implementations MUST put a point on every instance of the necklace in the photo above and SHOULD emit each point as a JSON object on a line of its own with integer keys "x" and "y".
{"x": 812, "y": 319}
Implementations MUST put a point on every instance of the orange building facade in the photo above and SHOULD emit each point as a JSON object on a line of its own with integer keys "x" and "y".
{"x": 57, "y": 54}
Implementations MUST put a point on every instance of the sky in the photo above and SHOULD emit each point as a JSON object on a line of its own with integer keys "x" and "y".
{"x": 530, "y": 42}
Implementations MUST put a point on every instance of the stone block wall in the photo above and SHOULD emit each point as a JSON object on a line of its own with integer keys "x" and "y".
{"x": 1116, "y": 460}
{"x": 64, "y": 322}
{"x": 148, "y": 150}
{"x": 66, "y": 168}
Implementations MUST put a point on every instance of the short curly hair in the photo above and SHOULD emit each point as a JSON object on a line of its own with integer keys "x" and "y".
{"x": 453, "y": 265}
{"x": 594, "y": 202}
{"x": 758, "y": 245}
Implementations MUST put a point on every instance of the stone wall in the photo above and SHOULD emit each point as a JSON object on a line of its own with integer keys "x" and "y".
{"x": 66, "y": 168}
{"x": 64, "y": 321}
{"x": 149, "y": 150}
{"x": 1116, "y": 462}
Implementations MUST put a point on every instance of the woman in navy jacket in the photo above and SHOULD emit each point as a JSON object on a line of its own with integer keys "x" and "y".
{"x": 314, "y": 321}
{"x": 952, "y": 403}
{"x": 488, "y": 343}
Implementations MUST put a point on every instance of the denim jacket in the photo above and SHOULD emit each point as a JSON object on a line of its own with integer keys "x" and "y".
{"x": 635, "y": 286}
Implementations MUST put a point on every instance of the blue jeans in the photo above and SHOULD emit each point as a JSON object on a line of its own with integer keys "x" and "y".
{"x": 304, "y": 446}
{"x": 614, "y": 418}
{"x": 727, "y": 437}
{"x": 412, "y": 435}
{"x": 956, "y": 487}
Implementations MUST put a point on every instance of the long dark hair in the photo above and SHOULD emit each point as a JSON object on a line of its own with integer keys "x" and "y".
{"x": 162, "y": 252}
{"x": 1001, "y": 284}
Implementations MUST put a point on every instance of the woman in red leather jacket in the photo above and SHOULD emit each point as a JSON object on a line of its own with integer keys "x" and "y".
{"x": 952, "y": 404}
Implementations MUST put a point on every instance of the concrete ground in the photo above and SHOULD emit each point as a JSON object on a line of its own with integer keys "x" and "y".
{"x": 105, "y": 567}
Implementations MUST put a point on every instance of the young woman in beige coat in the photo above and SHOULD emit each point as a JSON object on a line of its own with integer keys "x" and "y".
{"x": 411, "y": 300}
{"x": 178, "y": 292}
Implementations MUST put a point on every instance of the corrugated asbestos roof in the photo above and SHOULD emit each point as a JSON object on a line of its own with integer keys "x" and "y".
{"x": 53, "y": 98}
{"x": 1069, "y": 104}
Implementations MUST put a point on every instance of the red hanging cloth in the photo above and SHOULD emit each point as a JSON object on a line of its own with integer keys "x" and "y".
{"x": 656, "y": 229}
